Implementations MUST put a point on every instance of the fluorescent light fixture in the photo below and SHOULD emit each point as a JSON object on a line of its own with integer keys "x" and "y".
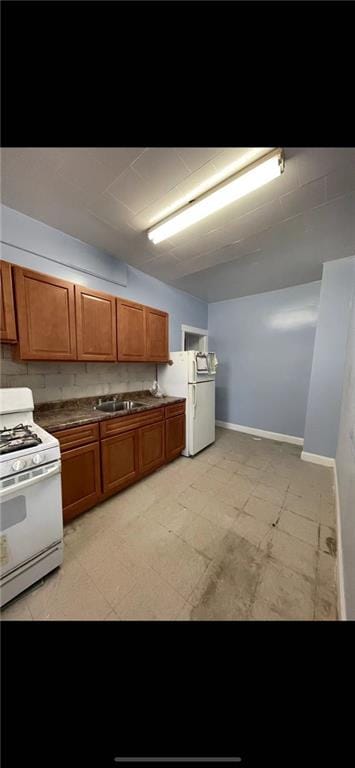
{"x": 247, "y": 180}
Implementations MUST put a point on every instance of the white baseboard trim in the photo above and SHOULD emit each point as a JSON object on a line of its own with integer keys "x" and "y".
{"x": 315, "y": 458}
{"x": 261, "y": 433}
{"x": 340, "y": 579}
{"x": 327, "y": 461}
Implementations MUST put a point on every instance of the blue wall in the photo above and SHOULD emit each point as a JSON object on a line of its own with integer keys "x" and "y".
{"x": 264, "y": 344}
{"x": 325, "y": 391}
{"x": 345, "y": 464}
{"x": 35, "y": 245}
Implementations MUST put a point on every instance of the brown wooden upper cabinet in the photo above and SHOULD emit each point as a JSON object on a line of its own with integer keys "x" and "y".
{"x": 46, "y": 316}
{"x": 7, "y": 306}
{"x": 95, "y": 324}
{"x": 157, "y": 335}
{"x": 131, "y": 332}
{"x": 58, "y": 320}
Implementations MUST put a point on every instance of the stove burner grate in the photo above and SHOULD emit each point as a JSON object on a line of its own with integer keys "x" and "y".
{"x": 16, "y": 438}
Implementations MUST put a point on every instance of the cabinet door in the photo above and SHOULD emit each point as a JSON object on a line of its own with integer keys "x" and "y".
{"x": 151, "y": 447}
{"x": 46, "y": 316}
{"x": 80, "y": 480}
{"x": 131, "y": 331}
{"x": 174, "y": 436}
{"x": 119, "y": 460}
{"x": 157, "y": 331}
{"x": 7, "y": 305}
{"x": 95, "y": 324}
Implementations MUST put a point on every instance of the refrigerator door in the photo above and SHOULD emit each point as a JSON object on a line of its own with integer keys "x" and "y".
{"x": 173, "y": 379}
{"x": 201, "y": 416}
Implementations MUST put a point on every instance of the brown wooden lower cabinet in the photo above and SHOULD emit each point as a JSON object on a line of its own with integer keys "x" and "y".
{"x": 119, "y": 458}
{"x": 80, "y": 479}
{"x": 174, "y": 436}
{"x": 151, "y": 447}
{"x": 100, "y": 460}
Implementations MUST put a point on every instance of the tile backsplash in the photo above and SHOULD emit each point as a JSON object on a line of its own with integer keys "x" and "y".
{"x": 63, "y": 381}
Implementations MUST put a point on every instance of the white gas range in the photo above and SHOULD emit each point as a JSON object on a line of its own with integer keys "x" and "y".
{"x": 31, "y": 528}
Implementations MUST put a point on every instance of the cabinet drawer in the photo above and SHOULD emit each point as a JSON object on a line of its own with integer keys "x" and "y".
{"x": 124, "y": 423}
{"x": 174, "y": 410}
{"x": 76, "y": 436}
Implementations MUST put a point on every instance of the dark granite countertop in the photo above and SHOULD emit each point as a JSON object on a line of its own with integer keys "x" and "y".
{"x": 62, "y": 414}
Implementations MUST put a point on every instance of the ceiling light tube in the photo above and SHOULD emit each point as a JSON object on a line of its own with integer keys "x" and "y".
{"x": 247, "y": 180}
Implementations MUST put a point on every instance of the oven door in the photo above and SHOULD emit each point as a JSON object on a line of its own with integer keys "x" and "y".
{"x": 31, "y": 515}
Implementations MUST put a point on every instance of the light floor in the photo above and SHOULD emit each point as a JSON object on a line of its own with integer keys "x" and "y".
{"x": 244, "y": 530}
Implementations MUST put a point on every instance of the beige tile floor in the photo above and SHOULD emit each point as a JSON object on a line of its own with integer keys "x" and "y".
{"x": 244, "y": 530}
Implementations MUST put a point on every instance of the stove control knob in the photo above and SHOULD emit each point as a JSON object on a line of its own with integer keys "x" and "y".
{"x": 18, "y": 465}
{"x": 37, "y": 458}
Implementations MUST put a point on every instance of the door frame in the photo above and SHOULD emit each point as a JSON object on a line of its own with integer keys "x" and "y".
{"x": 197, "y": 332}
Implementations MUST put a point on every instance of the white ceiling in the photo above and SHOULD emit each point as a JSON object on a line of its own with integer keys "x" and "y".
{"x": 109, "y": 197}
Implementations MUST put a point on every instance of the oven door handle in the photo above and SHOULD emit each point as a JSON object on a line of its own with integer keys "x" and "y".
{"x": 19, "y": 487}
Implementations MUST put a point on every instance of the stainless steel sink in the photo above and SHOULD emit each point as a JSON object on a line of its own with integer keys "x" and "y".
{"x": 111, "y": 406}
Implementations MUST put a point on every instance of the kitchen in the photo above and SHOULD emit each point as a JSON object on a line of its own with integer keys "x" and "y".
{"x": 176, "y": 341}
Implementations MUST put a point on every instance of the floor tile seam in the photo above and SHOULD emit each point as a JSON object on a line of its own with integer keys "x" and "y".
{"x": 199, "y": 515}
{"x": 258, "y": 581}
{"x": 214, "y": 560}
{"x": 157, "y": 573}
{"x": 107, "y": 614}
{"x": 283, "y": 508}
{"x": 177, "y": 501}
{"x": 299, "y": 514}
{"x": 316, "y": 583}
{"x": 96, "y": 537}
{"x": 29, "y": 609}
{"x": 267, "y": 501}
{"x": 93, "y": 584}
{"x": 89, "y": 573}
{"x": 303, "y": 495}
{"x": 185, "y": 541}
{"x": 334, "y": 594}
{"x": 280, "y": 563}
{"x": 180, "y": 609}
{"x": 269, "y": 601}
{"x": 236, "y": 509}
{"x": 100, "y": 590}
{"x": 293, "y": 536}
{"x": 166, "y": 580}
{"x": 233, "y": 519}
{"x": 16, "y": 601}
{"x": 257, "y": 520}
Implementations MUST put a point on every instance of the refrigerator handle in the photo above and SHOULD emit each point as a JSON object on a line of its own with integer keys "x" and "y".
{"x": 194, "y": 401}
{"x": 195, "y": 369}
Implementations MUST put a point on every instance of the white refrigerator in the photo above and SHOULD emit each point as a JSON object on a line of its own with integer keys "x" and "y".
{"x": 192, "y": 375}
